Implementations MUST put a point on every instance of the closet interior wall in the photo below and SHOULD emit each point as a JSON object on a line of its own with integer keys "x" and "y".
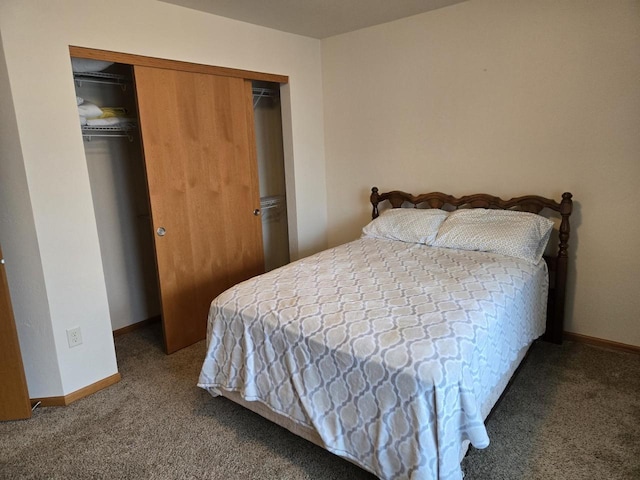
{"x": 120, "y": 200}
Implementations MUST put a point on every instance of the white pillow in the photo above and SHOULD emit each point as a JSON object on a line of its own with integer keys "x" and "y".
{"x": 516, "y": 234}
{"x": 407, "y": 225}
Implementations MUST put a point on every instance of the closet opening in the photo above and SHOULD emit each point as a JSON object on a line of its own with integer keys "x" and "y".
{"x": 108, "y": 99}
{"x": 271, "y": 173}
{"x": 108, "y": 119}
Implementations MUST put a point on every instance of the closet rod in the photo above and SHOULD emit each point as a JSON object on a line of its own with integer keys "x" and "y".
{"x": 259, "y": 92}
{"x": 264, "y": 91}
{"x": 100, "y": 77}
{"x": 79, "y": 82}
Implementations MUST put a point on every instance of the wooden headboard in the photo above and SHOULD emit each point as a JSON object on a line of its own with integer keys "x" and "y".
{"x": 558, "y": 263}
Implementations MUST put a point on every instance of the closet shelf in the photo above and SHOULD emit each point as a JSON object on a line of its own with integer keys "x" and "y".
{"x": 127, "y": 130}
{"x": 101, "y": 77}
{"x": 272, "y": 201}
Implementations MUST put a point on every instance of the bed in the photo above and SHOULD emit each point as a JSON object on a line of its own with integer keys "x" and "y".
{"x": 391, "y": 350}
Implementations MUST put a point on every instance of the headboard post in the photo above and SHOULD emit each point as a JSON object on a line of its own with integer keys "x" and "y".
{"x": 374, "y": 201}
{"x": 555, "y": 330}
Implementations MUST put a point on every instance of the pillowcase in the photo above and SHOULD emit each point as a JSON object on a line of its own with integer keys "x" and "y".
{"x": 407, "y": 225}
{"x": 516, "y": 234}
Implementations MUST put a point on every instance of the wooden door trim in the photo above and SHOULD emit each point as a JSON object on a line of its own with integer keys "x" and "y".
{"x": 141, "y": 60}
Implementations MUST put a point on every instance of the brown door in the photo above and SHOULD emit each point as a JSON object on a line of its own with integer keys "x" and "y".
{"x": 199, "y": 148}
{"x": 14, "y": 396}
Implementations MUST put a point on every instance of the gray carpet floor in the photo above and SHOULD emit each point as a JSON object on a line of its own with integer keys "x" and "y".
{"x": 571, "y": 412}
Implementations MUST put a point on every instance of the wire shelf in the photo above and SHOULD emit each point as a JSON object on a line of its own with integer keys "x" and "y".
{"x": 125, "y": 130}
{"x": 272, "y": 201}
{"x": 101, "y": 77}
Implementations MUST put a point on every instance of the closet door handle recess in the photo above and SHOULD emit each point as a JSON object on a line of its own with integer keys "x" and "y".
{"x": 161, "y": 231}
{"x": 256, "y": 212}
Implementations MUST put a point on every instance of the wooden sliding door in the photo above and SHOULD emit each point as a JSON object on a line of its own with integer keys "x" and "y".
{"x": 199, "y": 148}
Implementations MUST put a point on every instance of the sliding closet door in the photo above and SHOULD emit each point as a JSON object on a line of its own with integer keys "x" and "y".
{"x": 199, "y": 148}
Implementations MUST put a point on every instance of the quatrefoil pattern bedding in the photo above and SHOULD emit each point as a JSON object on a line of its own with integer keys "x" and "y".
{"x": 391, "y": 351}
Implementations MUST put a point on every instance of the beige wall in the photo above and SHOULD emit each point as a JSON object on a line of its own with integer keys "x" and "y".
{"x": 20, "y": 247}
{"x": 57, "y": 218}
{"x": 504, "y": 97}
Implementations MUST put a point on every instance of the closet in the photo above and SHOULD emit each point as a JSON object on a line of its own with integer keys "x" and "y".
{"x": 183, "y": 178}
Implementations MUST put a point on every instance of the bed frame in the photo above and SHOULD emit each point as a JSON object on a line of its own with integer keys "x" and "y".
{"x": 557, "y": 264}
{"x": 557, "y": 272}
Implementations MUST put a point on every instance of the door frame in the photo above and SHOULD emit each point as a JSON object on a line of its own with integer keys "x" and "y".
{"x": 14, "y": 396}
{"x": 143, "y": 61}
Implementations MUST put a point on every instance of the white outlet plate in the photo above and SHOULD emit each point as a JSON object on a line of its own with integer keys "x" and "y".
{"x": 74, "y": 337}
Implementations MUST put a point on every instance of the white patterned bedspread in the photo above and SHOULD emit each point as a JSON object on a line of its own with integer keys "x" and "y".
{"x": 389, "y": 350}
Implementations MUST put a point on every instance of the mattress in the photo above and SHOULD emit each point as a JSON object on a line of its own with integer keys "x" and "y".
{"x": 393, "y": 353}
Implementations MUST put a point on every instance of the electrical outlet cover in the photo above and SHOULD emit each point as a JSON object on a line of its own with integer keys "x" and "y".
{"x": 74, "y": 337}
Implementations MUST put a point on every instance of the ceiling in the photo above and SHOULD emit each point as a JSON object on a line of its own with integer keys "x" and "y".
{"x": 315, "y": 18}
